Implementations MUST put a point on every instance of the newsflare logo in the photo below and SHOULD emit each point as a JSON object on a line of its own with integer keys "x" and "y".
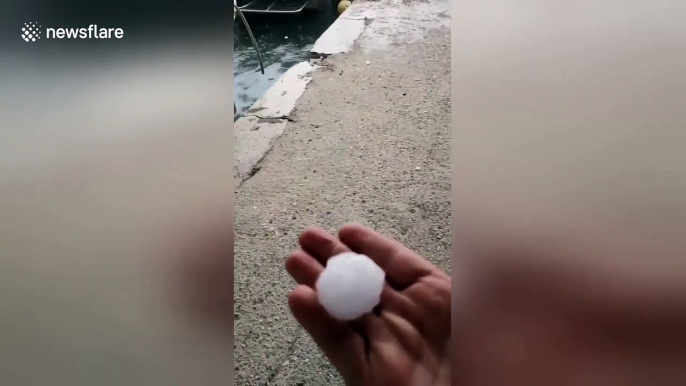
{"x": 32, "y": 32}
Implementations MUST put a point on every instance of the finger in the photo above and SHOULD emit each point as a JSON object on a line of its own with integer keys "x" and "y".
{"x": 340, "y": 344}
{"x": 402, "y": 266}
{"x": 304, "y": 268}
{"x": 373, "y": 334}
{"x": 391, "y": 301}
{"x": 407, "y": 334}
{"x": 321, "y": 245}
{"x": 389, "y": 338}
{"x": 395, "y": 302}
{"x": 393, "y": 344}
{"x": 433, "y": 295}
{"x": 375, "y": 329}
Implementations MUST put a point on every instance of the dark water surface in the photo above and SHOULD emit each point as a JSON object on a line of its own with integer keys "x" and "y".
{"x": 284, "y": 41}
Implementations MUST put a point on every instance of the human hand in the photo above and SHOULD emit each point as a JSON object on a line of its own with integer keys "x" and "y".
{"x": 406, "y": 340}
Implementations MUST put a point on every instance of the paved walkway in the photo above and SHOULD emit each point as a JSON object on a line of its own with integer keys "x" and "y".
{"x": 369, "y": 143}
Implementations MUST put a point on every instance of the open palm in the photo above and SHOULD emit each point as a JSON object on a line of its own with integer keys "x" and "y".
{"x": 406, "y": 340}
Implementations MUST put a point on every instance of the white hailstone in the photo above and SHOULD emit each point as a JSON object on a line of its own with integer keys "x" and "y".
{"x": 350, "y": 285}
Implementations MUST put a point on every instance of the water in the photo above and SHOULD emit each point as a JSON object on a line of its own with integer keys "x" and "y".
{"x": 283, "y": 40}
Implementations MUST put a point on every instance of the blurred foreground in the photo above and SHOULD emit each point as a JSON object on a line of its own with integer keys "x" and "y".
{"x": 569, "y": 185}
{"x": 115, "y": 200}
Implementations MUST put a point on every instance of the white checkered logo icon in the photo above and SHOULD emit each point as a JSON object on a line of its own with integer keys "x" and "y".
{"x": 31, "y": 32}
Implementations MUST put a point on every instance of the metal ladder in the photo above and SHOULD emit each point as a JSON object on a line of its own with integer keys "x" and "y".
{"x": 237, "y": 10}
{"x": 274, "y": 6}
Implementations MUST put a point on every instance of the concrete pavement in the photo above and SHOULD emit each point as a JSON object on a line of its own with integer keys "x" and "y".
{"x": 367, "y": 142}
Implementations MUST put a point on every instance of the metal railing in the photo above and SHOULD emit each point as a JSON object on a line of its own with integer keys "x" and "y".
{"x": 274, "y": 6}
{"x": 238, "y": 11}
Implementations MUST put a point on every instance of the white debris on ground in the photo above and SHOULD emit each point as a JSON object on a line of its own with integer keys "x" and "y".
{"x": 350, "y": 286}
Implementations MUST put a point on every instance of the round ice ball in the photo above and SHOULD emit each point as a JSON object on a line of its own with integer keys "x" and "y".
{"x": 350, "y": 285}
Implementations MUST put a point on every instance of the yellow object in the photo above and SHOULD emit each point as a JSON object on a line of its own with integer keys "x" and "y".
{"x": 343, "y": 5}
